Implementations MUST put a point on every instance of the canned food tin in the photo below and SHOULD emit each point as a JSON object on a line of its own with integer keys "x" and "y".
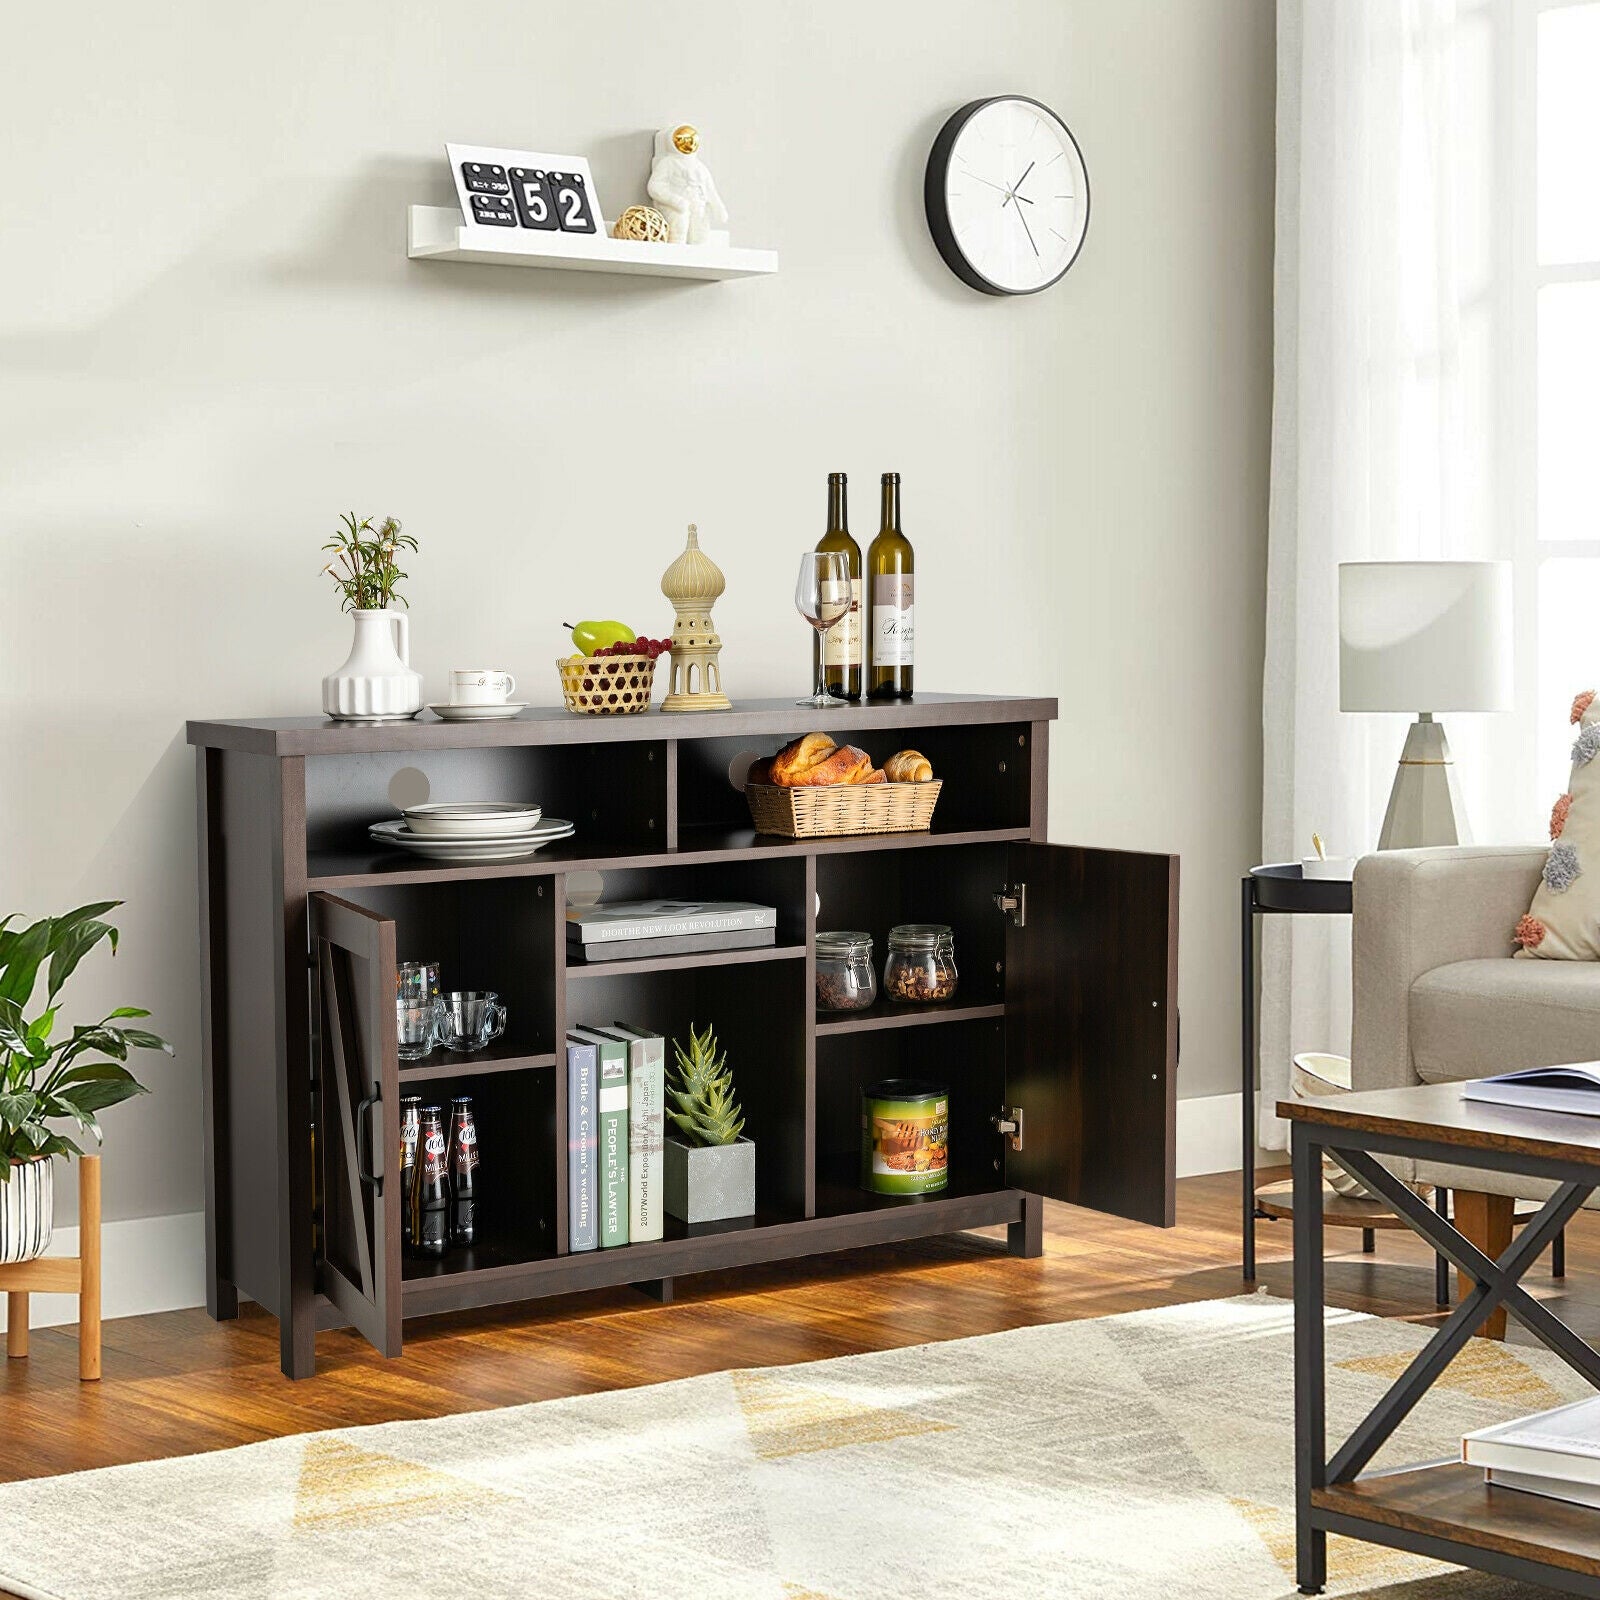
{"x": 905, "y": 1137}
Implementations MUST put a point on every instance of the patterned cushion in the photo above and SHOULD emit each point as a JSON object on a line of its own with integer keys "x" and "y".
{"x": 1563, "y": 923}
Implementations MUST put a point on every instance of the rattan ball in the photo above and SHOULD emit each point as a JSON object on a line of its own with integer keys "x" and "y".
{"x": 644, "y": 223}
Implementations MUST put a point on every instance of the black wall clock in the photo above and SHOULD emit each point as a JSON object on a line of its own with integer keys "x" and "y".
{"x": 1007, "y": 195}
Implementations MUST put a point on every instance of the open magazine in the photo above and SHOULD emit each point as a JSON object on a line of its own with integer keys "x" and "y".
{"x": 1574, "y": 1087}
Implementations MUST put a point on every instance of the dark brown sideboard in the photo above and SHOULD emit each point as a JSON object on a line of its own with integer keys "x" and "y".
{"x": 1066, "y": 1011}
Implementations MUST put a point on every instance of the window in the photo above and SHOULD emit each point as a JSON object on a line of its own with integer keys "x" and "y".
{"x": 1554, "y": 216}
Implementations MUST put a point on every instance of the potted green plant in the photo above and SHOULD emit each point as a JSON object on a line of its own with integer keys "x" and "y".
{"x": 709, "y": 1167}
{"x": 45, "y": 1077}
{"x": 376, "y": 683}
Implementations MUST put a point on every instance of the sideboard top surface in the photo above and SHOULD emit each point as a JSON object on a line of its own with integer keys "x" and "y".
{"x": 314, "y": 736}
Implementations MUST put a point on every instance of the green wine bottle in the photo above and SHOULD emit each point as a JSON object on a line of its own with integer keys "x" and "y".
{"x": 892, "y": 630}
{"x": 840, "y": 646}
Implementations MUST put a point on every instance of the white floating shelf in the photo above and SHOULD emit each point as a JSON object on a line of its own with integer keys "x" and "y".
{"x": 437, "y": 233}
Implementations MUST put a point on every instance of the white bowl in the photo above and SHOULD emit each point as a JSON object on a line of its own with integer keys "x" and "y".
{"x": 451, "y": 819}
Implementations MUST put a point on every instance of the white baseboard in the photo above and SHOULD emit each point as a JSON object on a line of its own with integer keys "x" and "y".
{"x": 147, "y": 1264}
{"x": 1208, "y": 1136}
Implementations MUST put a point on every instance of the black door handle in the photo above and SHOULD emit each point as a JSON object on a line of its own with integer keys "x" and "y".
{"x": 364, "y": 1142}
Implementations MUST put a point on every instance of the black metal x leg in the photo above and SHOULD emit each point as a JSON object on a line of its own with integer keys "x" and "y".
{"x": 1497, "y": 1283}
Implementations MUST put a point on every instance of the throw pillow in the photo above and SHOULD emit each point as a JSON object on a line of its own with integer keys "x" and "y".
{"x": 1563, "y": 923}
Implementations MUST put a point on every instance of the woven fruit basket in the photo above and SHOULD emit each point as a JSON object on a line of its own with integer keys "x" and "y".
{"x": 831, "y": 810}
{"x": 607, "y": 686}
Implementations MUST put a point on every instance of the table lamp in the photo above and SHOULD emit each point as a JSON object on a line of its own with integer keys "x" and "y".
{"x": 1434, "y": 634}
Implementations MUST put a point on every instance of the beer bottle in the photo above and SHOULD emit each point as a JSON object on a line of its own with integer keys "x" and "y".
{"x": 410, "y": 1124}
{"x": 428, "y": 1229}
{"x": 463, "y": 1171}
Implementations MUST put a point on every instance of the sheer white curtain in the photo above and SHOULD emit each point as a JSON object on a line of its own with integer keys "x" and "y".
{"x": 1385, "y": 422}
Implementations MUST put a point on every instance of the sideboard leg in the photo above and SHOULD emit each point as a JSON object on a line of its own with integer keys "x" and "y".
{"x": 657, "y": 1288}
{"x": 17, "y": 1323}
{"x": 1025, "y": 1236}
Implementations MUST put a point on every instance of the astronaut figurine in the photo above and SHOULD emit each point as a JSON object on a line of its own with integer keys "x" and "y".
{"x": 681, "y": 186}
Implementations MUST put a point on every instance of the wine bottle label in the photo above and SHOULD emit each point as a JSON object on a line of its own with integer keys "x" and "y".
{"x": 841, "y": 644}
{"x": 893, "y": 620}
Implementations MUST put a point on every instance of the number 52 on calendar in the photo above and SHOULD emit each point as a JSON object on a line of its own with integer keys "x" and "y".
{"x": 524, "y": 189}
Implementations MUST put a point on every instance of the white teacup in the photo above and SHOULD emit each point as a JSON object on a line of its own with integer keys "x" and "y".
{"x": 481, "y": 686}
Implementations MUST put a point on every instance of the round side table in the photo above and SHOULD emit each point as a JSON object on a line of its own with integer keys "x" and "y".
{"x": 1275, "y": 890}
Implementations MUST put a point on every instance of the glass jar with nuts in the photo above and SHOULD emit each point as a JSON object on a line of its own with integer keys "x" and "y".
{"x": 845, "y": 979}
{"x": 921, "y": 968}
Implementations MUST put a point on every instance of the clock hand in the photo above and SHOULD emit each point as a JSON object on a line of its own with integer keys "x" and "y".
{"x": 1029, "y": 231}
{"x": 1018, "y": 184}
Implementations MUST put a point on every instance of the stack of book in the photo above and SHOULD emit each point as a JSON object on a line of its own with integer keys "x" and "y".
{"x": 628, "y": 929}
{"x": 616, "y": 1128}
{"x": 1553, "y": 1453}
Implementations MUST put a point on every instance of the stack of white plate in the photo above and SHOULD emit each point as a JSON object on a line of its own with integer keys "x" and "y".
{"x": 471, "y": 830}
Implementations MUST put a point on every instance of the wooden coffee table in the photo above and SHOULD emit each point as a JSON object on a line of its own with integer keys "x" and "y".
{"x": 1445, "y": 1510}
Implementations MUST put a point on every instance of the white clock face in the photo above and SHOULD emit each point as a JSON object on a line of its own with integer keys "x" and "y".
{"x": 1017, "y": 195}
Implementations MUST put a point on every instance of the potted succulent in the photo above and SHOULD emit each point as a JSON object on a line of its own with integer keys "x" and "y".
{"x": 45, "y": 1077}
{"x": 376, "y": 683}
{"x": 709, "y": 1168}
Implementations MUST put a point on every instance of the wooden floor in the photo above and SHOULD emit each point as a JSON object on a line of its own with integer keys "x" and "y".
{"x": 177, "y": 1382}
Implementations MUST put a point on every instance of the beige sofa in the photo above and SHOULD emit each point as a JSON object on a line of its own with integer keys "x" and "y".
{"x": 1439, "y": 998}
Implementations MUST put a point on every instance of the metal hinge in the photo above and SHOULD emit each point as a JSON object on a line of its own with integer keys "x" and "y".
{"x": 1014, "y": 898}
{"x": 1009, "y": 1122}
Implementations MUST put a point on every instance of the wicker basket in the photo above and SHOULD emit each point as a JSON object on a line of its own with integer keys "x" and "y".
{"x": 826, "y": 810}
{"x": 607, "y": 686}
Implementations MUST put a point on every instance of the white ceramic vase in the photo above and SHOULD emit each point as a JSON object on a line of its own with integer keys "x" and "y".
{"x": 376, "y": 681}
{"x": 27, "y": 1211}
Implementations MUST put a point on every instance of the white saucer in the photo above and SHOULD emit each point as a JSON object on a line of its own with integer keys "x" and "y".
{"x": 492, "y": 713}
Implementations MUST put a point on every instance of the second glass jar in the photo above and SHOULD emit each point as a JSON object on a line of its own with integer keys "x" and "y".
{"x": 921, "y": 967}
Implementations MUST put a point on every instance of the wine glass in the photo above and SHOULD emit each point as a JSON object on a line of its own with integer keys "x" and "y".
{"x": 822, "y": 596}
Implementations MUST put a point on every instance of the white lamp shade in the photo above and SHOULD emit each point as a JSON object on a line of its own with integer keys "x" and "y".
{"x": 1425, "y": 636}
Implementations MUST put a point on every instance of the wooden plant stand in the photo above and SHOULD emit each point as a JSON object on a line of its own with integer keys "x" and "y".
{"x": 79, "y": 1275}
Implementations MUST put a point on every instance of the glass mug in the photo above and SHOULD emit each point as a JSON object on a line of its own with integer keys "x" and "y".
{"x": 469, "y": 1019}
{"x": 417, "y": 1008}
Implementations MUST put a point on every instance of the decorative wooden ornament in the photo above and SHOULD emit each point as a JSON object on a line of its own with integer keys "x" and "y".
{"x": 643, "y": 223}
{"x": 693, "y": 583}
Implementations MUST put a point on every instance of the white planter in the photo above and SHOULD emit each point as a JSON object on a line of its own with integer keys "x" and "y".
{"x": 709, "y": 1183}
{"x": 376, "y": 681}
{"x": 27, "y": 1211}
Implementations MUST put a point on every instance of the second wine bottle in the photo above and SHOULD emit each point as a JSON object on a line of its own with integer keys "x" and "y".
{"x": 892, "y": 634}
{"x": 840, "y": 646}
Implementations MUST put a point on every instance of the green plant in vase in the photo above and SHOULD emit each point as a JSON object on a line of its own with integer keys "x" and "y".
{"x": 376, "y": 683}
{"x": 709, "y": 1166}
{"x": 46, "y": 1077}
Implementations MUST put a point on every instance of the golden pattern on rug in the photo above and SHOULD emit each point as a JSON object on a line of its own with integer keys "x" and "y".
{"x": 1353, "y": 1564}
{"x": 340, "y": 1485}
{"x": 786, "y": 1417}
{"x": 1487, "y": 1369}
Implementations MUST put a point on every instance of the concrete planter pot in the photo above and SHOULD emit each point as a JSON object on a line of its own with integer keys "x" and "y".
{"x": 710, "y": 1183}
{"x": 27, "y": 1210}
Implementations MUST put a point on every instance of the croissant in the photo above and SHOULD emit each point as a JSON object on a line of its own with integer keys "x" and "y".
{"x": 908, "y": 766}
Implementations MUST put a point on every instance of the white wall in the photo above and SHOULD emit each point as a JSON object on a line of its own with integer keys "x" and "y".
{"x": 211, "y": 342}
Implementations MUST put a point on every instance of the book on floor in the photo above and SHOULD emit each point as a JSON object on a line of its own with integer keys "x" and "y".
{"x": 663, "y": 919}
{"x": 682, "y": 944}
{"x": 1574, "y": 1088}
{"x": 583, "y": 1231}
{"x": 1563, "y": 1443}
{"x": 647, "y": 1090}
{"x": 613, "y": 1134}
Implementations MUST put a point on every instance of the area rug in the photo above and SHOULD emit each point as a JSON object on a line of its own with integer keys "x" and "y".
{"x": 1140, "y": 1456}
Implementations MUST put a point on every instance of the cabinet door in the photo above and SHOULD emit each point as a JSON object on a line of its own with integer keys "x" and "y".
{"x": 358, "y": 1067}
{"x": 1092, "y": 1029}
